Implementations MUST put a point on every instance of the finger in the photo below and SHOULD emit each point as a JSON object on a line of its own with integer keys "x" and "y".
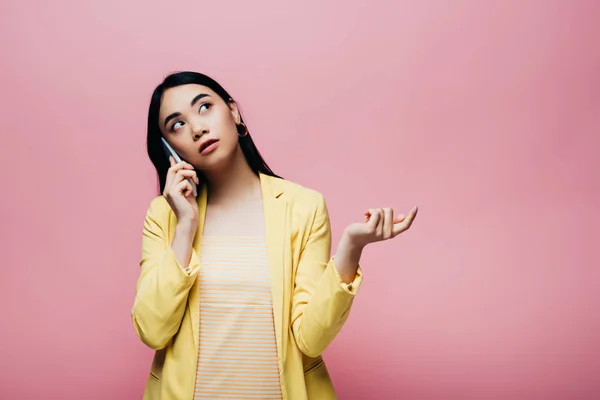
{"x": 172, "y": 161}
{"x": 388, "y": 219}
{"x": 173, "y": 170}
{"x": 184, "y": 188}
{"x": 413, "y": 213}
{"x": 185, "y": 174}
{"x": 189, "y": 190}
{"x": 404, "y": 225}
{"x": 379, "y": 229}
{"x": 191, "y": 179}
{"x": 181, "y": 165}
{"x": 373, "y": 219}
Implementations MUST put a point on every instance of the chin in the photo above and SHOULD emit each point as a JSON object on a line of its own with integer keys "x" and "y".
{"x": 215, "y": 161}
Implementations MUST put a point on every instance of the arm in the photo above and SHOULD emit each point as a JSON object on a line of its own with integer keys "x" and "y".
{"x": 321, "y": 301}
{"x": 325, "y": 288}
{"x": 347, "y": 258}
{"x": 164, "y": 283}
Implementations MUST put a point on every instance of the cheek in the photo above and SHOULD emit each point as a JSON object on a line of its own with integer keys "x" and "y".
{"x": 231, "y": 141}
{"x": 181, "y": 141}
{"x": 228, "y": 130}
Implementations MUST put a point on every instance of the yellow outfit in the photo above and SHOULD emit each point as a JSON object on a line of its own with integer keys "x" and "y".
{"x": 310, "y": 301}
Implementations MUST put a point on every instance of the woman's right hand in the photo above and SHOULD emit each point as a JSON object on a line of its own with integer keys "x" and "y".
{"x": 179, "y": 192}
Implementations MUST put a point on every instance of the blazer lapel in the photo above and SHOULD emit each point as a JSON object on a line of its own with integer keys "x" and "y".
{"x": 194, "y": 296}
{"x": 275, "y": 210}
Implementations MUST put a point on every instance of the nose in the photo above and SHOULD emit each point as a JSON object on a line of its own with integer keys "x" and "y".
{"x": 199, "y": 129}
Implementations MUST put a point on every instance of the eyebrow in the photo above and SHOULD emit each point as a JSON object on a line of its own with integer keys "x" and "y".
{"x": 192, "y": 103}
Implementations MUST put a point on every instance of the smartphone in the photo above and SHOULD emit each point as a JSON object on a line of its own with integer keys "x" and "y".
{"x": 170, "y": 152}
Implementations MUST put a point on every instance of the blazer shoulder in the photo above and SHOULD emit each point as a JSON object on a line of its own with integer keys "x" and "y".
{"x": 158, "y": 209}
{"x": 302, "y": 196}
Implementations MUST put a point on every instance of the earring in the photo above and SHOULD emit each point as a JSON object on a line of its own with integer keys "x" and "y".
{"x": 245, "y": 133}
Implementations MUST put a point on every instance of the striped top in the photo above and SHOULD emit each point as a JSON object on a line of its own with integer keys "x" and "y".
{"x": 237, "y": 351}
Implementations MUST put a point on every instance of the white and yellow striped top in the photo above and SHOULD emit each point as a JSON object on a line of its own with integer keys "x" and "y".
{"x": 237, "y": 356}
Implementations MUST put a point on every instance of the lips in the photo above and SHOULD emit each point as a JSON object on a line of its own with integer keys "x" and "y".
{"x": 207, "y": 143}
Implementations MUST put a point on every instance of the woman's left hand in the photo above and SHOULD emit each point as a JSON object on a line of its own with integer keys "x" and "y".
{"x": 380, "y": 224}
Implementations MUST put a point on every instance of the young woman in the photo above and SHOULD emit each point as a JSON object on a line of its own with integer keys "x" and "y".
{"x": 237, "y": 292}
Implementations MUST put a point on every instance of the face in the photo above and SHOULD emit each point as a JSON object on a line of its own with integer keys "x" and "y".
{"x": 199, "y": 125}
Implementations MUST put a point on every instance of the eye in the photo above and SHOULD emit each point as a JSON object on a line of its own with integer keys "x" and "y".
{"x": 176, "y": 125}
{"x": 205, "y": 107}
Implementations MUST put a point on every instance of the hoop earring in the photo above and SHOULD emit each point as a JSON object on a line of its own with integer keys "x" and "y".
{"x": 245, "y": 130}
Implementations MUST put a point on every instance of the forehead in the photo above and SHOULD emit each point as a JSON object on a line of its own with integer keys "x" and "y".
{"x": 179, "y": 98}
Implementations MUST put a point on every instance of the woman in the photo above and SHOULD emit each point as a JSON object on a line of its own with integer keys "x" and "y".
{"x": 237, "y": 292}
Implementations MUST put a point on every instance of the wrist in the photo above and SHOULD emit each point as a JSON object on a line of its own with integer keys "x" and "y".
{"x": 187, "y": 226}
{"x": 347, "y": 257}
{"x": 353, "y": 245}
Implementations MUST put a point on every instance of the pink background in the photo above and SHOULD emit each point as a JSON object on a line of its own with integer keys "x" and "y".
{"x": 485, "y": 114}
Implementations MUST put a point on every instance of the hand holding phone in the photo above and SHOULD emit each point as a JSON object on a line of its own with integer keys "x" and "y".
{"x": 170, "y": 152}
{"x": 180, "y": 189}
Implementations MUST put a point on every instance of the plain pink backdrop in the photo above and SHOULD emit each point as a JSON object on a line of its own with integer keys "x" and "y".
{"x": 485, "y": 114}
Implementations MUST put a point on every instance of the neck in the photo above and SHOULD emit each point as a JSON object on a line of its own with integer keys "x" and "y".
{"x": 233, "y": 185}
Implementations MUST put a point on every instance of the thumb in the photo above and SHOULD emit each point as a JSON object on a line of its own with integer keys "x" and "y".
{"x": 399, "y": 218}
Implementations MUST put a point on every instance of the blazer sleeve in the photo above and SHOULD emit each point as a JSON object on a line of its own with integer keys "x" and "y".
{"x": 163, "y": 285}
{"x": 321, "y": 301}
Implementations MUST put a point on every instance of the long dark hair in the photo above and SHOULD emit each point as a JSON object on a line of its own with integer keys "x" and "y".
{"x": 153, "y": 141}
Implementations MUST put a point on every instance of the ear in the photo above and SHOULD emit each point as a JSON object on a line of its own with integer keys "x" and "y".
{"x": 235, "y": 113}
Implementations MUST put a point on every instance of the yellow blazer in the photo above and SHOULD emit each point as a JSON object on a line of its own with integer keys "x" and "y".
{"x": 310, "y": 301}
